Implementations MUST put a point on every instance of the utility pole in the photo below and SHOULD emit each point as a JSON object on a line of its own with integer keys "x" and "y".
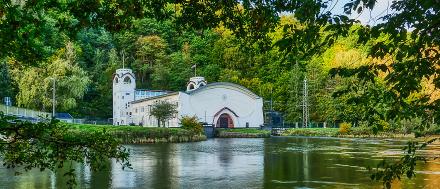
{"x": 305, "y": 104}
{"x": 53, "y": 106}
{"x": 271, "y": 107}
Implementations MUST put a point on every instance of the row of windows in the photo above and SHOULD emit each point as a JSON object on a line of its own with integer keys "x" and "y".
{"x": 149, "y": 108}
{"x": 150, "y": 93}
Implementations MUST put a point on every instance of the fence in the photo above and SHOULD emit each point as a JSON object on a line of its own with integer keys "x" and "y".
{"x": 309, "y": 125}
{"x": 24, "y": 113}
{"x": 98, "y": 121}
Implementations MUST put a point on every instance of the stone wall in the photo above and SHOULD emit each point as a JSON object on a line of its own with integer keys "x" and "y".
{"x": 242, "y": 135}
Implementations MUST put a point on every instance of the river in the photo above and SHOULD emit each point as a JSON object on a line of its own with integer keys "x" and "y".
{"x": 276, "y": 162}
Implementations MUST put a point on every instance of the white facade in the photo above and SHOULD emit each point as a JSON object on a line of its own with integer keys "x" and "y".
{"x": 124, "y": 84}
{"x": 222, "y": 104}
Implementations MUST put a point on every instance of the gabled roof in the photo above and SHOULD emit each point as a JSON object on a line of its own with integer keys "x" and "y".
{"x": 211, "y": 85}
{"x": 63, "y": 116}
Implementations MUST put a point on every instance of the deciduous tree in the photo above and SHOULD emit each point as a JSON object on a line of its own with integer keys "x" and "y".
{"x": 35, "y": 87}
{"x": 163, "y": 111}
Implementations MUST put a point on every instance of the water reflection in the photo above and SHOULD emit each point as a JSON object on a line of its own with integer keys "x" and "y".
{"x": 277, "y": 162}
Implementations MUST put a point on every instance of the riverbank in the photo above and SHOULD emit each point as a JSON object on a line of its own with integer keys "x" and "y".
{"x": 335, "y": 132}
{"x": 139, "y": 135}
{"x": 242, "y": 133}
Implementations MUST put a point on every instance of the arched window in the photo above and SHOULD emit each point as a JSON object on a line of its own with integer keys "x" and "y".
{"x": 127, "y": 80}
{"x": 191, "y": 86}
{"x": 202, "y": 84}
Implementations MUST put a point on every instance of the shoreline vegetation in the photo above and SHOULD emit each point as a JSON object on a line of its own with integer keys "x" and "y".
{"x": 356, "y": 132}
{"x": 139, "y": 135}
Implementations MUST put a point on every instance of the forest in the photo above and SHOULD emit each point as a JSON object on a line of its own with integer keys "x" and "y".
{"x": 161, "y": 58}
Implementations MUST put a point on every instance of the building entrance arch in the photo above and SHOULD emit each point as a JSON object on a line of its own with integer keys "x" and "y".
{"x": 225, "y": 121}
{"x": 225, "y": 118}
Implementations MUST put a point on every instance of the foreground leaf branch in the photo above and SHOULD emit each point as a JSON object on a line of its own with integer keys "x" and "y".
{"x": 388, "y": 172}
{"x": 48, "y": 145}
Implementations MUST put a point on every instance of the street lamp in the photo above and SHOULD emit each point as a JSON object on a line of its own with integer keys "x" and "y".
{"x": 53, "y": 110}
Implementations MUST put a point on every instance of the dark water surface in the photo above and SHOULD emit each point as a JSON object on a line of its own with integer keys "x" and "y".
{"x": 276, "y": 162}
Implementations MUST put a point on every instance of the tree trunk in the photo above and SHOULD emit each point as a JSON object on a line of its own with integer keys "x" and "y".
{"x": 158, "y": 123}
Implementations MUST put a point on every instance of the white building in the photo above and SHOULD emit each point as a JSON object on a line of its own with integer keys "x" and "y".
{"x": 223, "y": 104}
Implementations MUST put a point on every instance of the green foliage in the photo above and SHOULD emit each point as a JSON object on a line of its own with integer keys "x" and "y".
{"x": 313, "y": 132}
{"x": 163, "y": 111}
{"x": 383, "y": 125}
{"x": 36, "y": 87}
{"x": 5, "y": 82}
{"x": 190, "y": 123}
{"x": 345, "y": 127}
{"x": 49, "y": 145}
{"x": 388, "y": 172}
{"x": 132, "y": 134}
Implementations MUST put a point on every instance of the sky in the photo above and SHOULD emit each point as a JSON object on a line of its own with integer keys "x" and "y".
{"x": 367, "y": 17}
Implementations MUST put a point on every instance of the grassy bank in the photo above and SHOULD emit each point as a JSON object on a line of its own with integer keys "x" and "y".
{"x": 136, "y": 134}
{"x": 356, "y": 132}
{"x": 242, "y": 133}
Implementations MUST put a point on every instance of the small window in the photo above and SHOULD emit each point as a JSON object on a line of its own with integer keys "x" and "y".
{"x": 127, "y": 93}
{"x": 127, "y": 80}
{"x": 136, "y": 110}
{"x": 149, "y": 107}
{"x": 230, "y": 122}
{"x": 116, "y": 80}
{"x": 148, "y": 93}
{"x": 137, "y": 92}
{"x": 126, "y": 113}
{"x": 122, "y": 97}
{"x": 177, "y": 104}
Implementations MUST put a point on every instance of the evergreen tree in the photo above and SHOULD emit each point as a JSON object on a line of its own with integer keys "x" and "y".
{"x": 295, "y": 96}
{"x": 5, "y": 82}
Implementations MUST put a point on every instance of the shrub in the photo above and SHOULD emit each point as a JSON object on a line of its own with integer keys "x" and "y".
{"x": 132, "y": 124}
{"x": 345, "y": 127}
{"x": 190, "y": 123}
{"x": 152, "y": 133}
{"x": 382, "y": 125}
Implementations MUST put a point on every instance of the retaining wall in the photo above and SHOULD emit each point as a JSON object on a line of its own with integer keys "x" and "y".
{"x": 242, "y": 135}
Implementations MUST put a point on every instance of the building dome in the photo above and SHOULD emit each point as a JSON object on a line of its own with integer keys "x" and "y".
{"x": 195, "y": 83}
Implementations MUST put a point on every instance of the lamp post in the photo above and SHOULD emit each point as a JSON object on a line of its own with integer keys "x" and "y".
{"x": 53, "y": 110}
